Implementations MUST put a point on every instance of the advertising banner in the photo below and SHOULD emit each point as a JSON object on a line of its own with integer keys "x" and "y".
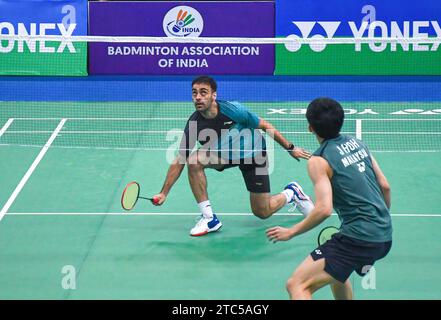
{"x": 327, "y": 19}
{"x": 38, "y": 17}
{"x": 181, "y": 19}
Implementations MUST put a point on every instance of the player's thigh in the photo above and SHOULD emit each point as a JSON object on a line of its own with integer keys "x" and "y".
{"x": 207, "y": 159}
{"x": 311, "y": 275}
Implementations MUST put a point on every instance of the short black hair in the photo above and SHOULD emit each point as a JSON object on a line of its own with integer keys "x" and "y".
{"x": 206, "y": 80}
{"x": 326, "y": 117}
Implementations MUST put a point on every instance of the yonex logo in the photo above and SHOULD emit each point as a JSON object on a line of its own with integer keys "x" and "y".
{"x": 305, "y": 27}
{"x": 376, "y": 28}
{"x": 183, "y": 21}
{"x": 317, "y": 251}
{"x": 34, "y": 29}
{"x": 361, "y": 167}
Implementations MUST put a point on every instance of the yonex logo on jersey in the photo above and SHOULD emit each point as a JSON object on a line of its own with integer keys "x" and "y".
{"x": 318, "y": 251}
{"x": 361, "y": 167}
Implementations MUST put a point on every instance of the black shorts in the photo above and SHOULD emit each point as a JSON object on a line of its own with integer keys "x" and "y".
{"x": 343, "y": 255}
{"x": 255, "y": 175}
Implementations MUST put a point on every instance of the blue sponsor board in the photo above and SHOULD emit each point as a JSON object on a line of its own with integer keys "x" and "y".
{"x": 39, "y": 18}
{"x": 422, "y": 17}
{"x": 324, "y": 20}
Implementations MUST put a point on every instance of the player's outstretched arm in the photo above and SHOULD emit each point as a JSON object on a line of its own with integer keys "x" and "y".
{"x": 382, "y": 182}
{"x": 173, "y": 174}
{"x": 294, "y": 151}
{"x": 320, "y": 173}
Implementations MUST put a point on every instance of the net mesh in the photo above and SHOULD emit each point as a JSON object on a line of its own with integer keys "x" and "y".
{"x": 154, "y": 126}
{"x": 97, "y": 115}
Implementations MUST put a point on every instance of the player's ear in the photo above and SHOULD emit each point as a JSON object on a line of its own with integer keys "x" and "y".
{"x": 310, "y": 129}
{"x": 214, "y": 95}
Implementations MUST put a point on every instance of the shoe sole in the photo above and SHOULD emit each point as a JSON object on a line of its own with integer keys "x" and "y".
{"x": 216, "y": 228}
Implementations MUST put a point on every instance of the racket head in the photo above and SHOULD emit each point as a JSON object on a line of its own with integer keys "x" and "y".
{"x": 130, "y": 195}
{"x": 326, "y": 234}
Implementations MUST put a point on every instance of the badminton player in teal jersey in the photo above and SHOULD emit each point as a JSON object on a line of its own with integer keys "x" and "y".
{"x": 345, "y": 176}
{"x": 229, "y": 135}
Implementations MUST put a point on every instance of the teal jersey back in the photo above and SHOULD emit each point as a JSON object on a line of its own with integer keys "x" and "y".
{"x": 357, "y": 197}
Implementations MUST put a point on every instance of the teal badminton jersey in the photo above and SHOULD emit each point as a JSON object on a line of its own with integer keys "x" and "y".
{"x": 233, "y": 133}
{"x": 357, "y": 197}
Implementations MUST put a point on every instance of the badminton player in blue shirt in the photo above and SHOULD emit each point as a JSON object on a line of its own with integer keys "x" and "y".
{"x": 229, "y": 136}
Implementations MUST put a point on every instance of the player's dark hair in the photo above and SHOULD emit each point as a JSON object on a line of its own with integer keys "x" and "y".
{"x": 326, "y": 117}
{"x": 206, "y": 80}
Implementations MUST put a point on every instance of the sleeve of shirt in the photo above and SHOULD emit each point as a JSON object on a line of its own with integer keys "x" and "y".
{"x": 242, "y": 115}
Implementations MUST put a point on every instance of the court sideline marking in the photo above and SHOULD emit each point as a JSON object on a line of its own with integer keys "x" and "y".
{"x": 31, "y": 169}
{"x": 415, "y": 215}
{"x": 6, "y": 126}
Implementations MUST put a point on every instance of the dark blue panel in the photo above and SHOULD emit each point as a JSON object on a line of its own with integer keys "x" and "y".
{"x": 240, "y": 88}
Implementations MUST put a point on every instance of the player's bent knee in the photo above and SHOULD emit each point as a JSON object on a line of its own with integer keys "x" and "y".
{"x": 296, "y": 289}
{"x": 294, "y": 283}
{"x": 194, "y": 166}
{"x": 261, "y": 213}
{"x": 290, "y": 285}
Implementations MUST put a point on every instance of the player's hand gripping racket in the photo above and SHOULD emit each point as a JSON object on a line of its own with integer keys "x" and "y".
{"x": 326, "y": 234}
{"x": 130, "y": 196}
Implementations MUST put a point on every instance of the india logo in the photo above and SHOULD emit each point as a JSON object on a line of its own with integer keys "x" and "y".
{"x": 183, "y": 21}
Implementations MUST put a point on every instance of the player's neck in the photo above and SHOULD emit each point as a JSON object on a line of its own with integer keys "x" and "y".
{"x": 211, "y": 112}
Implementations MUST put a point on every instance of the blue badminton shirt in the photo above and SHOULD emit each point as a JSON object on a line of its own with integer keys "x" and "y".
{"x": 233, "y": 133}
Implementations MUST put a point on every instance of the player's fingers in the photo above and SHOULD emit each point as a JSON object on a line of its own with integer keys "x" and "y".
{"x": 272, "y": 230}
{"x": 272, "y": 238}
{"x": 273, "y": 234}
{"x": 305, "y": 154}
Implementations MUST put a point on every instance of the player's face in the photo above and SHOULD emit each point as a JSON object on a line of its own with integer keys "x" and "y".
{"x": 203, "y": 96}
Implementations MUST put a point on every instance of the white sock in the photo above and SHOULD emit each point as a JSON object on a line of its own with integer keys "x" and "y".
{"x": 205, "y": 208}
{"x": 288, "y": 193}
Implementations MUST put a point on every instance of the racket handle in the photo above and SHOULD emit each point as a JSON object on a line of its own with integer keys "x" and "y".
{"x": 155, "y": 200}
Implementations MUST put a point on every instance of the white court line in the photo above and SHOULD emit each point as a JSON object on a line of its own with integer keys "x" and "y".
{"x": 31, "y": 169}
{"x": 108, "y": 119}
{"x": 269, "y": 119}
{"x": 358, "y": 129}
{"x": 168, "y": 149}
{"x": 6, "y": 126}
{"x": 411, "y": 215}
{"x": 358, "y": 132}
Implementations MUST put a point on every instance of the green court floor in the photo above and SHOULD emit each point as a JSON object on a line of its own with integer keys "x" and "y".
{"x": 68, "y": 213}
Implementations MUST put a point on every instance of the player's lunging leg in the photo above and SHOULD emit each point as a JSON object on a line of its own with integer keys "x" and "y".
{"x": 198, "y": 182}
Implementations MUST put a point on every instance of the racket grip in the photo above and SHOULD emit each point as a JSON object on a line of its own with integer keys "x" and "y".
{"x": 155, "y": 200}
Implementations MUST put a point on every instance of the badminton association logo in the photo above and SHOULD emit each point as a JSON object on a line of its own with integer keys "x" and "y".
{"x": 183, "y": 21}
